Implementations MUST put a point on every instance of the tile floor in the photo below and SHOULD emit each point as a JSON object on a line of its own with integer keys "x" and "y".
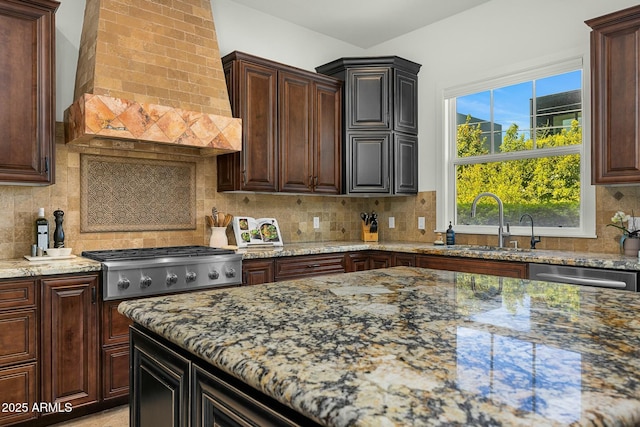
{"x": 114, "y": 417}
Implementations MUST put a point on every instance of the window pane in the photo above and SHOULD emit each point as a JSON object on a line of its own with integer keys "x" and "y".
{"x": 473, "y": 122}
{"x": 546, "y": 188}
{"x": 512, "y": 112}
{"x": 558, "y": 104}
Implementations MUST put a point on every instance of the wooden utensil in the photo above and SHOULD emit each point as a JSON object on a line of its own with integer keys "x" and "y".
{"x": 209, "y": 220}
{"x": 227, "y": 220}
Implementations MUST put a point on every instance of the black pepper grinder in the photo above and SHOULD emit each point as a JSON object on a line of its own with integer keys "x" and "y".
{"x": 58, "y": 234}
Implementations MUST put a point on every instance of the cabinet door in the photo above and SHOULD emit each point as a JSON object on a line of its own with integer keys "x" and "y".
{"x": 368, "y": 101}
{"x": 357, "y": 261}
{"x": 367, "y": 160}
{"x": 160, "y": 384}
{"x": 328, "y": 139}
{"x": 256, "y": 272}
{"x": 295, "y": 135}
{"x": 407, "y": 260}
{"x": 27, "y": 61}
{"x": 405, "y": 93}
{"x": 258, "y": 111}
{"x": 379, "y": 260}
{"x": 405, "y": 174}
{"x": 70, "y": 345}
{"x": 217, "y": 402}
{"x": 615, "y": 45}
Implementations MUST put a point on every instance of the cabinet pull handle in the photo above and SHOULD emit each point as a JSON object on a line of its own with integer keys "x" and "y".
{"x": 315, "y": 181}
{"x": 46, "y": 165}
{"x": 244, "y": 177}
{"x": 310, "y": 184}
{"x": 313, "y": 265}
{"x": 93, "y": 295}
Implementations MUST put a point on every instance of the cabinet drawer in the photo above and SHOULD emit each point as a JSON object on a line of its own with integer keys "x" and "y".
{"x": 115, "y": 327}
{"x": 17, "y": 294}
{"x": 18, "y": 336}
{"x": 305, "y": 266}
{"x": 18, "y": 385}
{"x": 478, "y": 266}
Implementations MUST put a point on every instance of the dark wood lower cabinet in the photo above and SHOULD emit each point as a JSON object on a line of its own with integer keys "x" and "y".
{"x": 257, "y": 271}
{"x": 472, "y": 265}
{"x": 70, "y": 345}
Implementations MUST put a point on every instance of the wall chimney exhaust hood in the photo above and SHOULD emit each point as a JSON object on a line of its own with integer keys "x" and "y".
{"x": 149, "y": 74}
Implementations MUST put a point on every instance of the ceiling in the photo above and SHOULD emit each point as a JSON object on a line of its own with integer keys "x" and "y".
{"x": 363, "y": 23}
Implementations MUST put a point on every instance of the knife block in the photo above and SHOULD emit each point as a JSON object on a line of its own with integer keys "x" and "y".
{"x": 367, "y": 235}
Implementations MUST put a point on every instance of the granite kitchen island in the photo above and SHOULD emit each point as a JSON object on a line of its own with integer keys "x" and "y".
{"x": 410, "y": 346}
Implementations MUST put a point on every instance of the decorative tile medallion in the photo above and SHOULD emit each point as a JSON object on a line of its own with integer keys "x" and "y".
{"x": 132, "y": 194}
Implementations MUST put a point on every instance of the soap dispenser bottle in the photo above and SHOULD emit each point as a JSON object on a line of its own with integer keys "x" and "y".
{"x": 451, "y": 235}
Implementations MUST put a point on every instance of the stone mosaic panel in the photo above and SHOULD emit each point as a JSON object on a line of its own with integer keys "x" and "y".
{"x": 132, "y": 194}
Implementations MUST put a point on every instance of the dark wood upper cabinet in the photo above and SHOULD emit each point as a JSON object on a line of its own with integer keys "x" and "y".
{"x": 615, "y": 97}
{"x": 27, "y": 71}
{"x": 380, "y": 124}
{"x": 291, "y": 139}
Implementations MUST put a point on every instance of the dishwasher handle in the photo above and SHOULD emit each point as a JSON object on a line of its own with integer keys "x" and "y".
{"x": 575, "y": 280}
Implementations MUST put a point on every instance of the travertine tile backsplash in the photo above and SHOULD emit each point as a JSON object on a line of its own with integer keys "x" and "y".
{"x": 339, "y": 216}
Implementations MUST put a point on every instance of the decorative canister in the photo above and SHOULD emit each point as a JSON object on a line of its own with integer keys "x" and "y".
{"x": 631, "y": 246}
{"x": 218, "y": 237}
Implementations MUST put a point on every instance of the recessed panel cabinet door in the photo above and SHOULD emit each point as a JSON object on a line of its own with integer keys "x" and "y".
{"x": 368, "y": 99}
{"x": 70, "y": 346}
{"x": 615, "y": 46}
{"x": 405, "y": 153}
{"x": 328, "y": 139}
{"x": 27, "y": 73}
{"x": 258, "y": 94}
{"x": 295, "y": 134}
{"x": 368, "y": 160}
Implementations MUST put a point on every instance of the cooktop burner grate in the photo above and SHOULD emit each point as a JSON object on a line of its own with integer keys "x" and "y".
{"x": 152, "y": 253}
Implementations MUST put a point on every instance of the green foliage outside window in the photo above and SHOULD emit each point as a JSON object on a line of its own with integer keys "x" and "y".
{"x": 547, "y": 188}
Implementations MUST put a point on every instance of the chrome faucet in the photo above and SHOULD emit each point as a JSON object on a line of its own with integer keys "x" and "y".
{"x": 501, "y": 233}
{"x": 533, "y": 236}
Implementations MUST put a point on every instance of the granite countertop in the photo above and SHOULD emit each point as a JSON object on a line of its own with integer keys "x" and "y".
{"x": 540, "y": 256}
{"x": 411, "y": 346}
{"x": 24, "y": 268}
{"x": 15, "y": 268}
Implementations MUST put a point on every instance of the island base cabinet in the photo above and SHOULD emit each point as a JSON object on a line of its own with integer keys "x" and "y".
{"x": 159, "y": 379}
{"x": 218, "y": 403}
{"x": 170, "y": 387}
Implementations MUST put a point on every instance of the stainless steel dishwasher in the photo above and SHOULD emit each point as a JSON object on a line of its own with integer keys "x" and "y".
{"x": 601, "y": 278}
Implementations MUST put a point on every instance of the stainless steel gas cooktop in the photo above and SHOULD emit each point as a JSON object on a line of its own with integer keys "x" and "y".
{"x": 128, "y": 273}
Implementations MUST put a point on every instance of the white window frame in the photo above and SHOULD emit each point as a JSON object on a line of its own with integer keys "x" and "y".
{"x": 446, "y": 198}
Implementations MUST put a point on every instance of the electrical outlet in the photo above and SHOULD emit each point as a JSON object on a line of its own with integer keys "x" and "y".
{"x": 392, "y": 222}
{"x": 316, "y": 222}
{"x": 421, "y": 223}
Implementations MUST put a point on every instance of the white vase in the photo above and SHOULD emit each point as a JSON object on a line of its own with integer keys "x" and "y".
{"x": 218, "y": 237}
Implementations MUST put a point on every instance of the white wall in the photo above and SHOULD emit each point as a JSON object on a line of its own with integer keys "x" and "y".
{"x": 494, "y": 38}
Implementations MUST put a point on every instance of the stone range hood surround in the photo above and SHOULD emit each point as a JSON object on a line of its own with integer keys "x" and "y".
{"x": 150, "y": 72}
